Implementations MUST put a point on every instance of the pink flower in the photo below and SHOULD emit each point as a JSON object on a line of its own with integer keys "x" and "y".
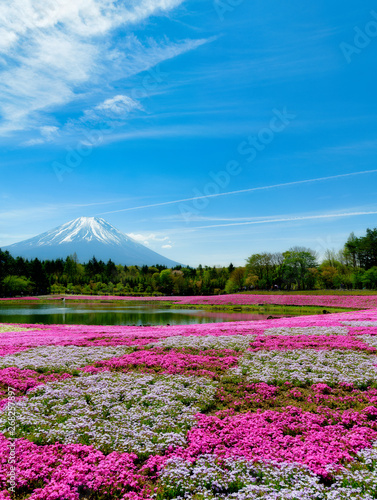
{"x": 316, "y": 440}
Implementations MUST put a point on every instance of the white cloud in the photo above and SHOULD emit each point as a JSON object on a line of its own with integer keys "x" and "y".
{"x": 85, "y": 18}
{"x": 48, "y": 134}
{"x": 7, "y": 38}
{"x": 119, "y": 105}
{"x": 49, "y": 131}
{"x": 56, "y": 49}
{"x": 34, "y": 142}
{"x": 147, "y": 238}
{"x": 116, "y": 108}
{"x": 152, "y": 239}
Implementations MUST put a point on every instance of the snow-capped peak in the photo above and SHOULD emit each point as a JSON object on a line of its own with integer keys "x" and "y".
{"x": 87, "y": 237}
{"x": 84, "y": 229}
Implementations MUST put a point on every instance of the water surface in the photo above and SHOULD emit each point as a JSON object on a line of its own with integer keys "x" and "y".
{"x": 105, "y": 314}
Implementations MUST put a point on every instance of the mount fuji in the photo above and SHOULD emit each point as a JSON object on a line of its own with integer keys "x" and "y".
{"x": 88, "y": 237}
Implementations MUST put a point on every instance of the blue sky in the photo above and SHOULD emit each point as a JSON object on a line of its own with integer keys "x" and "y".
{"x": 120, "y": 109}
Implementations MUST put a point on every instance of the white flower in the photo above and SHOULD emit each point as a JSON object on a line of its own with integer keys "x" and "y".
{"x": 114, "y": 411}
{"x": 307, "y": 330}
{"x": 62, "y": 357}
{"x": 308, "y": 366}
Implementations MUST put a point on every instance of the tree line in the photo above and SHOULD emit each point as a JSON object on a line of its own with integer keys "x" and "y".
{"x": 353, "y": 267}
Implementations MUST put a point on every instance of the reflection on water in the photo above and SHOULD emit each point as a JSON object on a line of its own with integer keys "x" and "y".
{"x": 103, "y": 314}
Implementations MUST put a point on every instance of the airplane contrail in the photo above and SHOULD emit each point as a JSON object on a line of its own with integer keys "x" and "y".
{"x": 248, "y": 190}
{"x": 287, "y": 219}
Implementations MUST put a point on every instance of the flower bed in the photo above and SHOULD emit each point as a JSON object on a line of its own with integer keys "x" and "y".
{"x": 61, "y": 358}
{"x": 276, "y": 409}
{"x": 340, "y": 301}
{"x": 123, "y": 412}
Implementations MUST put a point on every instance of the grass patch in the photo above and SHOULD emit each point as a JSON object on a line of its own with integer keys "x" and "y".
{"x": 267, "y": 309}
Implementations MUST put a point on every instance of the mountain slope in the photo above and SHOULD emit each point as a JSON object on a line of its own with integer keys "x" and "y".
{"x": 88, "y": 237}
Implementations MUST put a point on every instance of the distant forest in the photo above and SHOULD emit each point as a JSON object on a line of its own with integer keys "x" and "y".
{"x": 353, "y": 267}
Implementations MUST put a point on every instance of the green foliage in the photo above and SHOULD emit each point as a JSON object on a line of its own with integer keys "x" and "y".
{"x": 231, "y": 287}
{"x": 354, "y": 267}
{"x": 58, "y": 289}
{"x": 166, "y": 281}
{"x": 298, "y": 266}
{"x": 16, "y": 285}
{"x": 369, "y": 278}
{"x": 363, "y": 250}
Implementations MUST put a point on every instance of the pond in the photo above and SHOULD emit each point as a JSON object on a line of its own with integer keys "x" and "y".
{"x": 104, "y": 314}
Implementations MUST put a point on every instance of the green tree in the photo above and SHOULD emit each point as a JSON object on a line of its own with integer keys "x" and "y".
{"x": 298, "y": 266}
{"x": 238, "y": 277}
{"x": 166, "y": 281}
{"x": 267, "y": 266}
{"x": 71, "y": 269}
{"x": 16, "y": 285}
{"x": 39, "y": 277}
{"x": 328, "y": 275}
{"x": 363, "y": 250}
{"x": 231, "y": 286}
{"x": 59, "y": 289}
{"x": 357, "y": 278}
{"x": 369, "y": 278}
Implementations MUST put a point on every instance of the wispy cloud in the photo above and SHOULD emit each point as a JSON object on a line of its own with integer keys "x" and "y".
{"x": 55, "y": 52}
{"x": 116, "y": 110}
{"x": 46, "y": 211}
{"x": 349, "y": 149}
{"x": 277, "y": 220}
{"x": 354, "y": 148}
{"x": 241, "y": 191}
{"x": 290, "y": 219}
{"x": 47, "y": 134}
